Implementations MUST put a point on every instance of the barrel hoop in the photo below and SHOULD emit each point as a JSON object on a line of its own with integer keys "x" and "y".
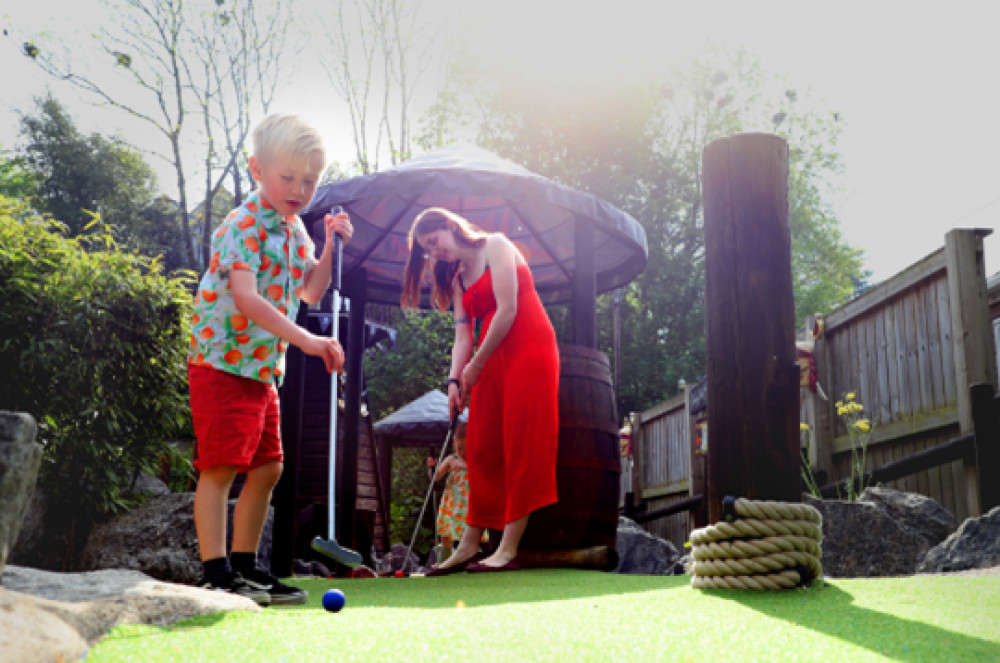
{"x": 603, "y": 426}
{"x": 602, "y": 378}
{"x": 568, "y": 514}
{"x": 591, "y": 463}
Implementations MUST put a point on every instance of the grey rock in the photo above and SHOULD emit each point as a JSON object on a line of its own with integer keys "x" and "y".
{"x": 915, "y": 512}
{"x": 20, "y": 459}
{"x": 159, "y": 539}
{"x": 974, "y": 545}
{"x": 883, "y": 533}
{"x": 643, "y": 553}
{"x": 150, "y": 485}
{"x": 48, "y": 616}
{"x": 398, "y": 552}
{"x": 29, "y": 541}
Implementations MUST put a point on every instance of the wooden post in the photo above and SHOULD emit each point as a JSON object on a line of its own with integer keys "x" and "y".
{"x": 286, "y": 491}
{"x": 973, "y": 337}
{"x": 753, "y": 376}
{"x": 986, "y": 419}
{"x": 638, "y": 454}
{"x": 696, "y": 479}
{"x": 584, "y": 287}
{"x": 354, "y": 369}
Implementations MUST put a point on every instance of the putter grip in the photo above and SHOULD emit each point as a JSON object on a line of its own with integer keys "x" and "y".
{"x": 338, "y": 251}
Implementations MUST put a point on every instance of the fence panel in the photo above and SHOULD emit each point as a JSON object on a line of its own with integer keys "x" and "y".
{"x": 895, "y": 348}
{"x": 664, "y": 465}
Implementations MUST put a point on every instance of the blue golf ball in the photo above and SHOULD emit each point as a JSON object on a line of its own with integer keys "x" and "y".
{"x": 334, "y": 600}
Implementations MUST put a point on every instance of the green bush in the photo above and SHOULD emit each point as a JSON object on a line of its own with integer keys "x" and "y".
{"x": 93, "y": 342}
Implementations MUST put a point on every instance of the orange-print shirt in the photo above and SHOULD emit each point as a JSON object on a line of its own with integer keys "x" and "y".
{"x": 280, "y": 252}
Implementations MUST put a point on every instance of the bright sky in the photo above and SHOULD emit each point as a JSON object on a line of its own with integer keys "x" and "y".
{"x": 915, "y": 84}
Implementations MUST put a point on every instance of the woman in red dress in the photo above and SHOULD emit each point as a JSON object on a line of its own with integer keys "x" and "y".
{"x": 510, "y": 381}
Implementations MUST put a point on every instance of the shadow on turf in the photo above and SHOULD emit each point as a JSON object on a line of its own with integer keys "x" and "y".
{"x": 832, "y": 612}
{"x": 485, "y": 589}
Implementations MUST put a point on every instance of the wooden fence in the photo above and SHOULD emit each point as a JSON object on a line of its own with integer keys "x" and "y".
{"x": 908, "y": 348}
{"x": 661, "y": 467}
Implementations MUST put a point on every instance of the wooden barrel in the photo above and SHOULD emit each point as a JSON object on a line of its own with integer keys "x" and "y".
{"x": 589, "y": 463}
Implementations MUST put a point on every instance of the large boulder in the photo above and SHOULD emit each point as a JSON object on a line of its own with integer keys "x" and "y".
{"x": 643, "y": 553}
{"x": 20, "y": 458}
{"x": 974, "y": 545}
{"x": 159, "y": 539}
{"x": 884, "y": 532}
{"x": 48, "y": 616}
{"x": 49, "y": 534}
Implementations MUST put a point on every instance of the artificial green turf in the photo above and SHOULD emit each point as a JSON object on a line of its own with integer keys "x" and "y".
{"x": 569, "y": 615}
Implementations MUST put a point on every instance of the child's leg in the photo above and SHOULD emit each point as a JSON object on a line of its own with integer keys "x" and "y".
{"x": 251, "y": 507}
{"x": 210, "y": 498}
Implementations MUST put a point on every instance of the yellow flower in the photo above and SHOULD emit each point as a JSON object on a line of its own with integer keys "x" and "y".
{"x": 839, "y": 404}
{"x": 863, "y": 425}
{"x": 841, "y": 410}
{"x": 803, "y": 425}
{"x": 850, "y": 396}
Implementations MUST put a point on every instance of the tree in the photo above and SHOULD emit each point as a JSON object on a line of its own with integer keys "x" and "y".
{"x": 17, "y": 180}
{"x": 638, "y": 145}
{"x": 376, "y": 68}
{"x": 237, "y": 65}
{"x": 79, "y": 176}
{"x": 176, "y": 59}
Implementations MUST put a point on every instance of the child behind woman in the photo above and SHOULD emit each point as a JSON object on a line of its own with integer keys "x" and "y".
{"x": 455, "y": 500}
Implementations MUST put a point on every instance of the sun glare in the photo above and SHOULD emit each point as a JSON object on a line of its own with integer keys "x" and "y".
{"x": 573, "y": 43}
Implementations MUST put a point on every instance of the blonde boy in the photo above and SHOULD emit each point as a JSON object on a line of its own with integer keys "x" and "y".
{"x": 263, "y": 262}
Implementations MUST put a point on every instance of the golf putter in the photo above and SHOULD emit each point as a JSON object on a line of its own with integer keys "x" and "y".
{"x": 423, "y": 507}
{"x": 329, "y": 546}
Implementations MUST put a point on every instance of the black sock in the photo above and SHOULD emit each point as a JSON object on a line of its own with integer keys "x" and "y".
{"x": 244, "y": 562}
{"x": 213, "y": 568}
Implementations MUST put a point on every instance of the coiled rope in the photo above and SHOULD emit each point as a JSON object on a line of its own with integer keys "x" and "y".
{"x": 761, "y": 545}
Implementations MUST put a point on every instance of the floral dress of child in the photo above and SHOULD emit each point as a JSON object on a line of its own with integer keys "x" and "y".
{"x": 454, "y": 505}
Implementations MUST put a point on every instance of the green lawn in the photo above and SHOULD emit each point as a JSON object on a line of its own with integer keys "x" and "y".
{"x": 570, "y": 615}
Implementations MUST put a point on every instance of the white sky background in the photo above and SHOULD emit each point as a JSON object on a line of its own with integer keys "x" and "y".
{"x": 916, "y": 85}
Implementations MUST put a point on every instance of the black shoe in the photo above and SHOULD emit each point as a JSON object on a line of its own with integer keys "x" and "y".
{"x": 281, "y": 594}
{"x": 234, "y": 583}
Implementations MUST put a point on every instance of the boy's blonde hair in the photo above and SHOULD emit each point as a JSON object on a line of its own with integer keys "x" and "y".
{"x": 286, "y": 135}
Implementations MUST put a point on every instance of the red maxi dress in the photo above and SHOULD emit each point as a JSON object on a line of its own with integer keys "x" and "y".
{"x": 513, "y": 429}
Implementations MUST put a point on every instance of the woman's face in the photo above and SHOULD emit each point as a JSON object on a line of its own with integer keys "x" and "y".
{"x": 439, "y": 244}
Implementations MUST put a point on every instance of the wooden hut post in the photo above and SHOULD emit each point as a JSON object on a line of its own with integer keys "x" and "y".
{"x": 986, "y": 417}
{"x": 283, "y": 534}
{"x": 354, "y": 368}
{"x": 584, "y": 287}
{"x": 970, "y": 323}
{"x": 753, "y": 377}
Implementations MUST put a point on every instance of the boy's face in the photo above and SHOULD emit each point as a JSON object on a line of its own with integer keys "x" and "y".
{"x": 288, "y": 183}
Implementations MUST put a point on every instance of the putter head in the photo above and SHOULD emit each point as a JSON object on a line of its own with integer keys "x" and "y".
{"x": 337, "y": 552}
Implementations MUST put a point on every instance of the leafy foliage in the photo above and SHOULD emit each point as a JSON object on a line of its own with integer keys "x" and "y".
{"x": 93, "y": 346}
{"x": 419, "y": 363}
{"x": 82, "y": 175}
{"x": 638, "y": 144}
{"x": 16, "y": 179}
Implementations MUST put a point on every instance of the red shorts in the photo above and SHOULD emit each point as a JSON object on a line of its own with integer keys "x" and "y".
{"x": 236, "y": 420}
